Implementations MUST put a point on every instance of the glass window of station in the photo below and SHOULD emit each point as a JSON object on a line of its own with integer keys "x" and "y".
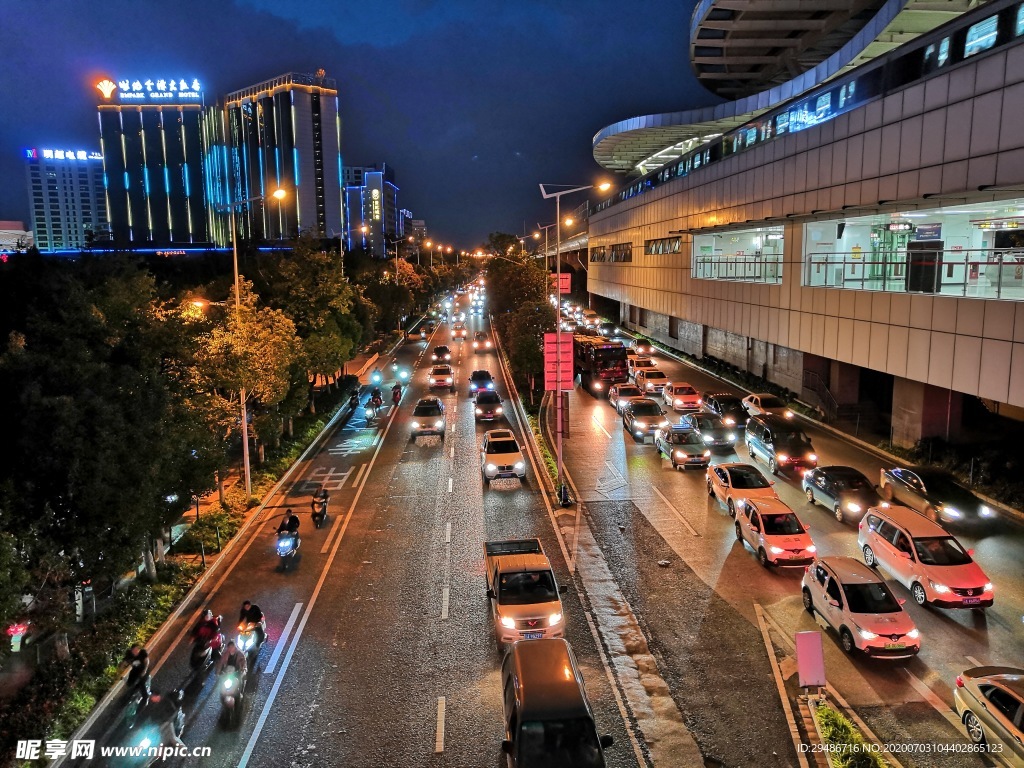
{"x": 749, "y": 256}
{"x": 965, "y": 250}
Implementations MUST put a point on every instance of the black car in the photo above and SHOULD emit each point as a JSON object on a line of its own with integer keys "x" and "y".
{"x": 844, "y": 490}
{"x": 441, "y": 354}
{"x": 487, "y": 406}
{"x": 712, "y": 430}
{"x": 935, "y": 494}
{"x": 609, "y": 330}
{"x": 480, "y": 381}
{"x": 728, "y": 408}
{"x": 428, "y": 418}
{"x": 641, "y": 417}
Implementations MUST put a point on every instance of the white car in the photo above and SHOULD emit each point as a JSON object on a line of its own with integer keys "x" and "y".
{"x": 651, "y": 382}
{"x": 774, "y": 532}
{"x": 855, "y": 602}
{"x": 619, "y": 395}
{"x": 500, "y": 456}
{"x": 640, "y": 346}
{"x": 924, "y": 558}
{"x": 680, "y": 396}
{"x": 764, "y": 403}
{"x": 637, "y": 363}
{"x": 441, "y": 376}
{"x": 731, "y": 482}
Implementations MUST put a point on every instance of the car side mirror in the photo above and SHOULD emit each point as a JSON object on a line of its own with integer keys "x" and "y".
{"x": 490, "y": 594}
{"x": 970, "y": 552}
{"x": 607, "y": 741}
{"x": 562, "y": 589}
{"x": 771, "y": 482}
{"x": 902, "y": 601}
{"x": 506, "y": 746}
{"x": 833, "y": 602}
{"x": 755, "y": 527}
{"x": 904, "y": 555}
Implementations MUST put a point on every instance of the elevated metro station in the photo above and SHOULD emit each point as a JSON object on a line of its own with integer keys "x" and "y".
{"x": 854, "y": 234}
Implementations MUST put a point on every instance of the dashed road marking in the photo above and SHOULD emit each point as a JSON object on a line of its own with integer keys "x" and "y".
{"x": 359, "y": 474}
{"x": 974, "y": 661}
{"x": 439, "y": 737}
{"x": 445, "y": 595}
{"x": 450, "y": 484}
{"x": 447, "y": 533}
{"x": 282, "y": 641}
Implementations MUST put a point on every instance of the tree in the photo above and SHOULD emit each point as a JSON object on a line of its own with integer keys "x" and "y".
{"x": 524, "y": 334}
{"x": 514, "y": 279}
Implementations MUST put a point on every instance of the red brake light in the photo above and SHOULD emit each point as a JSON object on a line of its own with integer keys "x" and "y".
{"x": 959, "y": 681}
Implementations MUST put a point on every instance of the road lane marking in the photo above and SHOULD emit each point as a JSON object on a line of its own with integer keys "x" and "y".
{"x": 974, "y": 661}
{"x": 359, "y": 474}
{"x": 679, "y": 514}
{"x": 445, "y": 596}
{"x": 439, "y": 737}
{"x": 448, "y": 537}
{"x": 932, "y": 698}
{"x": 449, "y": 485}
{"x": 265, "y": 713}
{"x": 453, "y": 451}
{"x": 600, "y": 425}
{"x": 282, "y": 641}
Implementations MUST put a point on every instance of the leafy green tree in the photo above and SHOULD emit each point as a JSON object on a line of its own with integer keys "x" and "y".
{"x": 523, "y": 334}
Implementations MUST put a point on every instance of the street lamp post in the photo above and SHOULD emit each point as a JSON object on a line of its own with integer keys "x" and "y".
{"x": 562, "y": 495}
{"x": 279, "y": 195}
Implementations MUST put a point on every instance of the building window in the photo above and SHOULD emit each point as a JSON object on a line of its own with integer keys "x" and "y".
{"x": 598, "y": 254}
{"x": 663, "y": 246}
{"x": 673, "y": 327}
{"x": 642, "y": 317}
{"x": 633, "y": 316}
{"x": 621, "y": 253}
{"x": 749, "y": 256}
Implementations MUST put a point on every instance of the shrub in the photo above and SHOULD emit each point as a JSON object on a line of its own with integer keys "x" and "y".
{"x": 853, "y": 751}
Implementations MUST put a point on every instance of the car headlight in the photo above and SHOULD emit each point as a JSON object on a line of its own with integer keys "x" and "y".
{"x": 488, "y": 345}
{"x": 680, "y": 454}
{"x": 433, "y": 357}
{"x": 940, "y": 588}
{"x": 812, "y": 457}
{"x": 811, "y": 548}
{"x": 479, "y": 411}
{"x": 677, "y": 402}
{"x": 476, "y": 344}
{"x": 986, "y": 511}
{"x": 490, "y": 385}
{"x": 989, "y": 587}
{"x": 866, "y": 634}
{"x": 914, "y": 633}
{"x": 415, "y": 425}
{"x": 783, "y": 458}
{"x": 730, "y": 421}
{"x": 448, "y": 380}
{"x": 598, "y": 385}
{"x": 707, "y": 454}
{"x": 508, "y": 623}
{"x": 776, "y": 550}
{"x": 852, "y": 507}
{"x": 732, "y": 438}
{"x": 639, "y": 424}
{"x": 433, "y": 380}
{"x": 554, "y": 618}
{"x": 520, "y": 465}
{"x": 499, "y": 409}
{"x": 952, "y": 512}
{"x": 447, "y": 357}
{"x": 663, "y": 424}
{"x": 439, "y": 423}
{"x": 649, "y": 385}
{"x": 491, "y": 467}
{"x": 789, "y": 414}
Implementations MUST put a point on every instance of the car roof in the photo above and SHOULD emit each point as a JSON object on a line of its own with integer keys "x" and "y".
{"x": 547, "y": 675}
{"x": 1011, "y": 678}
{"x": 916, "y": 524}
{"x": 850, "y": 571}
{"x": 772, "y": 507}
{"x": 499, "y": 434}
{"x": 441, "y": 346}
{"x": 444, "y": 367}
{"x": 838, "y": 470}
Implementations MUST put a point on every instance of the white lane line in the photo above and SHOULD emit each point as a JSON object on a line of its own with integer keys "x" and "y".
{"x": 445, "y": 596}
{"x": 974, "y": 661}
{"x": 453, "y": 451}
{"x": 282, "y": 641}
{"x": 359, "y": 474}
{"x": 254, "y": 738}
{"x": 448, "y": 537}
{"x": 376, "y": 439}
{"x": 600, "y": 426}
{"x": 450, "y": 483}
{"x": 679, "y": 514}
{"x": 932, "y": 698}
{"x": 439, "y": 737}
{"x": 455, "y": 409}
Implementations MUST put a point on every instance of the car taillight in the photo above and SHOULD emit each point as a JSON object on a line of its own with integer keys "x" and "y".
{"x": 959, "y": 681}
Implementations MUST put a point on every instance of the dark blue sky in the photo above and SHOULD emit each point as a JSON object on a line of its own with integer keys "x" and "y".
{"x": 473, "y": 102}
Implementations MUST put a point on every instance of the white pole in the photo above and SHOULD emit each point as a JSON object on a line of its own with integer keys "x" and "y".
{"x": 558, "y": 340}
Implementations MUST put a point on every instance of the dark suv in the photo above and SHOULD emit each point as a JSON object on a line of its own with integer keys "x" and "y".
{"x": 727, "y": 407}
{"x": 481, "y": 343}
{"x": 441, "y": 354}
{"x": 487, "y": 406}
{"x": 480, "y": 381}
{"x": 779, "y": 443}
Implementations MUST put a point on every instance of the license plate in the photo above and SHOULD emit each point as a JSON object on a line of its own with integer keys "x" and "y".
{"x": 972, "y": 600}
{"x": 533, "y": 635}
{"x": 895, "y": 646}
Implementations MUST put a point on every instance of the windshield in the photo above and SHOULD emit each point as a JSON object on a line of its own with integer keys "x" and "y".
{"x": 705, "y": 423}
{"x": 651, "y": 375}
{"x": 488, "y": 398}
{"x": 772, "y": 402}
{"x": 942, "y": 485}
{"x": 852, "y": 483}
{"x": 629, "y": 392}
{"x": 941, "y": 550}
{"x": 870, "y": 598}
{"x": 781, "y": 525}
{"x": 645, "y": 409}
{"x": 605, "y": 364}
{"x": 481, "y": 376}
{"x": 526, "y": 588}
{"x": 503, "y": 446}
{"x": 441, "y": 371}
{"x": 685, "y": 390}
{"x": 730, "y": 403}
{"x": 559, "y": 744}
{"x": 685, "y": 438}
{"x": 747, "y": 478}
{"x": 794, "y": 439}
{"x": 427, "y": 410}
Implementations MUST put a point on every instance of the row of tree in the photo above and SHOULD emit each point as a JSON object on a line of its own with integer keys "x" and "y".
{"x": 120, "y": 382}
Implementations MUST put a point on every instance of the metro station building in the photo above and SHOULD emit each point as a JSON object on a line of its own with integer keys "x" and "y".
{"x": 851, "y": 226}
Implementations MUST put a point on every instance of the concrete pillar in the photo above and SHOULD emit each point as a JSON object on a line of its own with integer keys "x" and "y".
{"x": 844, "y": 382}
{"x": 921, "y": 410}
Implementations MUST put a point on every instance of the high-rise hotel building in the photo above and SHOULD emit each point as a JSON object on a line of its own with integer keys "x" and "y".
{"x": 152, "y": 145}
{"x": 283, "y": 133}
{"x": 66, "y": 198}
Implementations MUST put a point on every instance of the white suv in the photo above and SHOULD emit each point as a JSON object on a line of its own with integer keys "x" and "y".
{"x": 924, "y": 558}
{"x": 651, "y": 382}
{"x": 500, "y": 456}
{"x": 774, "y": 531}
{"x": 856, "y": 603}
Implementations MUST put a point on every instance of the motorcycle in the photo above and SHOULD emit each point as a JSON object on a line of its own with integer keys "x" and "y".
{"x": 319, "y": 511}
{"x": 287, "y": 546}
{"x": 206, "y": 651}
{"x": 151, "y": 734}
{"x": 396, "y": 395}
{"x": 138, "y": 697}
{"x": 232, "y": 694}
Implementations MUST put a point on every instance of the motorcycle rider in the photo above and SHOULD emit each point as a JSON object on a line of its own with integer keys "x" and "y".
{"x": 137, "y": 659}
{"x": 251, "y": 613}
{"x": 353, "y": 402}
{"x": 376, "y": 398}
{"x": 165, "y": 710}
{"x": 233, "y": 657}
{"x": 290, "y": 524}
{"x": 396, "y": 393}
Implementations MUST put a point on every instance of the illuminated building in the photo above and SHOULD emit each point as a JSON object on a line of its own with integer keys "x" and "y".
{"x": 371, "y": 201}
{"x": 152, "y": 146}
{"x": 67, "y": 199}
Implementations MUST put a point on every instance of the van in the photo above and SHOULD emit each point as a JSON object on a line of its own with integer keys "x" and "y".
{"x": 548, "y": 720}
{"x": 923, "y": 557}
{"x": 779, "y": 443}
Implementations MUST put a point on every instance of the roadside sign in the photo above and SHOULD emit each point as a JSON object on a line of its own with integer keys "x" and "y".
{"x": 566, "y": 285}
{"x": 552, "y": 342}
{"x": 810, "y": 659}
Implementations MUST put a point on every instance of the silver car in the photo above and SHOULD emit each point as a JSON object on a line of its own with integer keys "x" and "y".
{"x": 990, "y": 703}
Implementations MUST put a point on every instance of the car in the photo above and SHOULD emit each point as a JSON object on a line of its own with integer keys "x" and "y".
{"x": 441, "y": 354}
{"x": 651, "y": 381}
{"x": 733, "y": 482}
{"x": 477, "y": 311}
{"x": 774, "y": 532}
{"x": 500, "y": 456}
{"x": 712, "y": 430}
{"x": 640, "y": 346}
{"x": 641, "y": 417}
{"x": 924, "y": 558}
{"x": 727, "y": 407}
{"x": 607, "y": 329}
{"x": 682, "y": 446}
{"x": 620, "y": 394}
{"x": 480, "y": 381}
{"x": 934, "y": 493}
{"x": 779, "y": 443}
{"x": 590, "y": 318}
{"x": 856, "y": 603}
{"x": 843, "y": 490}
{"x": 428, "y": 418}
{"x": 637, "y": 363}
{"x": 487, "y": 406}
{"x": 481, "y": 343}
{"x": 764, "y": 403}
{"x": 990, "y": 704}
{"x": 680, "y": 396}
{"x": 441, "y": 376}
{"x": 458, "y": 316}
{"x": 458, "y": 329}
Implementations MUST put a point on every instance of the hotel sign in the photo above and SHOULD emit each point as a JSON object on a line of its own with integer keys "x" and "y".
{"x": 62, "y": 154}
{"x": 375, "y": 204}
{"x": 173, "y": 90}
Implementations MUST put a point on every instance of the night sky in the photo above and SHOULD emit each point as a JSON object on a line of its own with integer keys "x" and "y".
{"x": 473, "y": 102}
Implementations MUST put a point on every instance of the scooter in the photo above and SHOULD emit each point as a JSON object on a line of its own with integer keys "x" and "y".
{"x": 138, "y": 697}
{"x": 206, "y": 652}
{"x": 150, "y": 735}
{"x": 287, "y": 546}
{"x": 250, "y": 639}
{"x": 319, "y": 510}
{"x": 232, "y": 694}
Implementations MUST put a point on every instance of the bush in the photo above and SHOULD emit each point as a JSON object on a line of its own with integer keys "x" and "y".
{"x": 853, "y": 751}
{"x": 202, "y": 535}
